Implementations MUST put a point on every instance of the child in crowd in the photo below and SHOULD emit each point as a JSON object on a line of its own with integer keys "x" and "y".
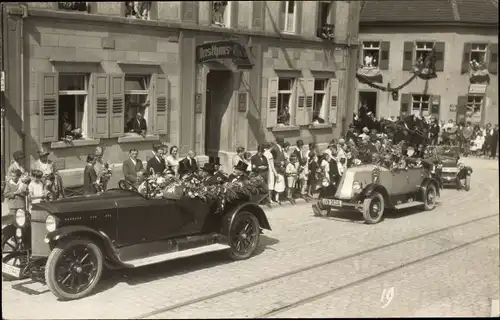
{"x": 36, "y": 187}
{"x": 15, "y": 192}
{"x": 291, "y": 176}
{"x": 314, "y": 170}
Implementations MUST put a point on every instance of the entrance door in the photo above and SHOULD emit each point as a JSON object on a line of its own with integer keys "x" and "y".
{"x": 219, "y": 93}
{"x": 370, "y": 99}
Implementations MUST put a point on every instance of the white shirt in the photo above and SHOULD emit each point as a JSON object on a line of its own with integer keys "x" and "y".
{"x": 134, "y": 161}
{"x": 36, "y": 191}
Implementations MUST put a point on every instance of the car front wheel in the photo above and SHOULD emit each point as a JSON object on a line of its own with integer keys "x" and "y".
{"x": 74, "y": 268}
{"x": 13, "y": 252}
{"x": 430, "y": 195}
{"x": 244, "y": 236}
{"x": 373, "y": 208}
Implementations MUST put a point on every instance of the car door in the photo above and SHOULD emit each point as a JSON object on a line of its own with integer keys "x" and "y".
{"x": 400, "y": 182}
{"x": 415, "y": 176}
{"x": 145, "y": 220}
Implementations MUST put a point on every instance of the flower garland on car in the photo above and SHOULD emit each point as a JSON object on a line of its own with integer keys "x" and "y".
{"x": 193, "y": 187}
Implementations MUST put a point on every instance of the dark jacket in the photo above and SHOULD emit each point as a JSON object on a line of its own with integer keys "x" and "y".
{"x": 187, "y": 167}
{"x": 89, "y": 179}
{"x": 137, "y": 126}
{"x": 157, "y": 166}
{"x": 351, "y": 135}
{"x": 334, "y": 171}
{"x": 257, "y": 161}
{"x": 130, "y": 170}
{"x": 234, "y": 178}
{"x": 279, "y": 158}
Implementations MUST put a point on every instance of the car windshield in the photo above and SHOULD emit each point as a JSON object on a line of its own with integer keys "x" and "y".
{"x": 447, "y": 151}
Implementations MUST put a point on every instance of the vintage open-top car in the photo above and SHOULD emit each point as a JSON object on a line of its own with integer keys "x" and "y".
{"x": 449, "y": 157}
{"x": 67, "y": 243}
{"x": 372, "y": 190}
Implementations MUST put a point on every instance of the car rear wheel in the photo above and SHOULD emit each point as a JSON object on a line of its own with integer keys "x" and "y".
{"x": 373, "y": 208}
{"x": 12, "y": 250}
{"x": 244, "y": 236}
{"x": 430, "y": 196}
{"x": 74, "y": 268}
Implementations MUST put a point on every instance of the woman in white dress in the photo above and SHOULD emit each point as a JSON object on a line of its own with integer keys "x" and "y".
{"x": 477, "y": 144}
{"x": 272, "y": 171}
{"x": 172, "y": 160}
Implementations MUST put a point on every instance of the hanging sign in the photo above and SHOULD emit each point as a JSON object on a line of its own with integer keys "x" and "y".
{"x": 477, "y": 88}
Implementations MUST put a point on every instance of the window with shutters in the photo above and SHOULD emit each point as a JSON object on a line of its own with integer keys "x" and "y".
{"x": 73, "y": 106}
{"x": 371, "y": 53}
{"x": 320, "y": 103}
{"x": 285, "y": 104}
{"x": 138, "y": 9}
{"x": 422, "y": 49}
{"x": 288, "y": 16}
{"x": 474, "y": 106}
{"x": 420, "y": 103}
{"x": 477, "y": 58}
{"x": 221, "y": 13}
{"x": 137, "y": 101}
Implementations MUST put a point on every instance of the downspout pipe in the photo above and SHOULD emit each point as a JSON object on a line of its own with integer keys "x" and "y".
{"x": 2, "y": 96}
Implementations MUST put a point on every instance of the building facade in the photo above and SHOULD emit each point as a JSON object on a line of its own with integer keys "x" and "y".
{"x": 394, "y": 35}
{"x": 207, "y": 76}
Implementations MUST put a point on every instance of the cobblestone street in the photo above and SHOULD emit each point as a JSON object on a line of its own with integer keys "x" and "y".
{"x": 443, "y": 262}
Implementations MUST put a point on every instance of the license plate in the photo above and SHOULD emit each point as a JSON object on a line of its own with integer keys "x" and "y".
{"x": 11, "y": 270}
{"x": 449, "y": 170}
{"x": 331, "y": 202}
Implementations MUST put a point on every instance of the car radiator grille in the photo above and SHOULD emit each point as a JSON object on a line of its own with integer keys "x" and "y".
{"x": 38, "y": 233}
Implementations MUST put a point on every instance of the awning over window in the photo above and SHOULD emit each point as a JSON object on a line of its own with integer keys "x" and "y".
{"x": 230, "y": 54}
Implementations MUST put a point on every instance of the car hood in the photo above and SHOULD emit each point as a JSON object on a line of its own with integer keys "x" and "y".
{"x": 86, "y": 203}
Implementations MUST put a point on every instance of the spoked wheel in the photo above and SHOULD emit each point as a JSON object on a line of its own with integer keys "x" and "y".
{"x": 13, "y": 252}
{"x": 244, "y": 236}
{"x": 430, "y": 197}
{"x": 125, "y": 185}
{"x": 74, "y": 268}
{"x": 373, "y": 208}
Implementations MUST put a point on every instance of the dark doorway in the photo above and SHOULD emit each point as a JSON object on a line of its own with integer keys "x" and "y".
{"x": 219, "y": 93}
{"x": 370, "y": 99}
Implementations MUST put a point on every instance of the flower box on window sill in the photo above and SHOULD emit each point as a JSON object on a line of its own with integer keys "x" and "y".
{"x": 128, "y": 138}
{"x": 479, "y": 76}
{"x": 75, "y": 143}
{"x": 281, "y": 128}
{"x": 326, "y": 32}
{"x": 319, "y": 126}
{"x": 74, "y": 6}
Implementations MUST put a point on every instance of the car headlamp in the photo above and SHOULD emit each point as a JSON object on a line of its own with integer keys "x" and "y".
{"x": 51, "y": 223}
{"x": 356, "y": 186}
{"x": 20, "y": 217}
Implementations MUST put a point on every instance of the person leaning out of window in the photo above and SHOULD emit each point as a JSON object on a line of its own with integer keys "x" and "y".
{"x": 137, "y": 125}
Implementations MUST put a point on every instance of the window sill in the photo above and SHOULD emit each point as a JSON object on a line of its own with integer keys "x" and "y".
{"x": 138, "y": 138}
{"x": 75, "y": 143}
{"x": 285, "y": 128}
{"x": 320, "y": 126}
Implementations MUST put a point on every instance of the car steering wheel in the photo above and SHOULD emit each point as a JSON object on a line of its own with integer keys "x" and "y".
{"x": 126, "y": 185}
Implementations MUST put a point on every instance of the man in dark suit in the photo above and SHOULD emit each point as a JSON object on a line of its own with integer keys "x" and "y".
{"x": 259, "y": 163}
{"x": 239, "y": 172}
{"x": 137, "y": 125}
{"x": 278, "y": 153}
{"x": 350, "y": 134}
{"x": 208, "y": 176}
{"x": 156, "y": 164}
{"x": 131, "y": 166}
{"x": 188, "y": 165}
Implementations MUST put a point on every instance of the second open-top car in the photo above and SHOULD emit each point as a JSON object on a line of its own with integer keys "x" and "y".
{"x": 67, "y": 243}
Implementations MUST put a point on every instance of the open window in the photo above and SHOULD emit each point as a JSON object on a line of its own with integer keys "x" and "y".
{"x": 138, "y": 9}
{"x": 137, "y": 100}
{"x": 371, "y": 54}
{"x": 285, "y": 102}
{"x": 73, "y": 106}
{"x": 288, "y": 16}
{"x": 474, "y": 108}
{"x": 320, "y": 104}
{"x": 326, "y": 20}
{"x": 222, "y": 13}
{"x": 478, "y": 54}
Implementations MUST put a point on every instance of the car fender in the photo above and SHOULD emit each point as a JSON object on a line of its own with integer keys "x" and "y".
{"x": 372, "y": 188}
{"x": 26, "y": 231}
{"x": 250, "y": 207}
{"x": 102, "y": 239}
{"x": 429, "y": 181}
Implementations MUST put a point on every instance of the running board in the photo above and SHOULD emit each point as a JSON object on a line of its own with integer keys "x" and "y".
{"x": 175, "y": 255}
{"x": 408, "y": 205}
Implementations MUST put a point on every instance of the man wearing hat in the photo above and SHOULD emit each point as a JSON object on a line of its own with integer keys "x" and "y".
{"x": 43, "y": 163}
{"x": 208, "y": 176}
{"x": 239, "y": 172}
{"x": 350, "y": 134}
{"x": 298, "y": 150}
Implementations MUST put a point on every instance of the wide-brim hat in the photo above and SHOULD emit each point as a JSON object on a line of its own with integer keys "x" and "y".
{"x": 241, "y": 166}
{"x": 208, "y": 167}
{"x": 42, "y": 152}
